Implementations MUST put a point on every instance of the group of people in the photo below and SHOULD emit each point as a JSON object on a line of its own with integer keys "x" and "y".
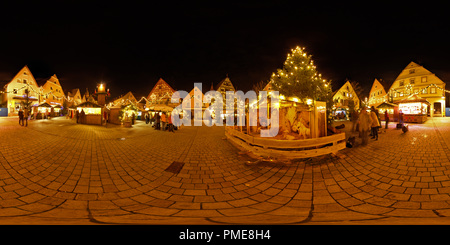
{"x": 369, "y": 122}
{"x": 160, "y": 122}
{"x": 23, "y": 116}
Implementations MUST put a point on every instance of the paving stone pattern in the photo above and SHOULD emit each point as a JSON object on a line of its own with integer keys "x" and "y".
{"x": 59, "y": 172}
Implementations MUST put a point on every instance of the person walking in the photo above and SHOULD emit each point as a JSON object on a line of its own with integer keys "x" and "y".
{"x": 21, "y": 117}
{"x": 365, "y": 123}
{"x": 375, "y": 123}
{"x": 386, "y": 118}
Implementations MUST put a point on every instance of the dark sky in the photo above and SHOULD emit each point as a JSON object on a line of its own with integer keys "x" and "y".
{"x": 130, "y": 45}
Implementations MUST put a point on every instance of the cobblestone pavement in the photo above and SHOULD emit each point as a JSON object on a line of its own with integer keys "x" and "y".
{"x": 59, "y": 172}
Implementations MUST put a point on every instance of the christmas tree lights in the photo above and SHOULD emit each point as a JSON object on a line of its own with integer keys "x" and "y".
{"x": 299, "y": 78}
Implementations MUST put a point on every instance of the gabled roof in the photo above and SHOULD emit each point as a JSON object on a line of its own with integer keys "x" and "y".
{"x": 350, "y": 89}
{"x": 53, "y": 79}
{"x": 73, "y": 92}
{"x": 225, "y": 80}
{"x": 375, "y": 86}
{"x": 160, "y": 82}
{"x": 127, "y": 96}
{"x": 24, "y": 69}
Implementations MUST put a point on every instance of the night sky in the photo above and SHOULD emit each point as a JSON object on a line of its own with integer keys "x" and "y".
{"x": 130, "y": 45}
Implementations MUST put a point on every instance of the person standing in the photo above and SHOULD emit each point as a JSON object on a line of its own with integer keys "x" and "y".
{"x": 163, "y": 121}
{"x": 365, "y": 122}
{"x": 386, "y": 118}
{"x": 169, "y": 120}
{"x": 21, "y": 117}
{"x": 82, "y": 116}
{"x": 25, "y": 117}
{"x": 375, "y": 123}
{"x": 354, "y": 118}
{"x": 157, "y": 121}
{"x": 147, "y": 119}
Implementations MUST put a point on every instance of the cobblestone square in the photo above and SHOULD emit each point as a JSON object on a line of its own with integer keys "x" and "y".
{"x": 59, "y": 172}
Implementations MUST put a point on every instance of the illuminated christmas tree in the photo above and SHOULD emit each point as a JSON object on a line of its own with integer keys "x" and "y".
{"x": 299, "y": 79}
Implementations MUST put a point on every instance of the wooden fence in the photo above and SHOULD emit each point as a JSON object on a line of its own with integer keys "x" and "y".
{"x": 286, "y": 149}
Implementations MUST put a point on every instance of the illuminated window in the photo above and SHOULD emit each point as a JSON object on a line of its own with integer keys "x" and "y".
{"x": 424, "y": 79}
{"x": 433, "y": 90}
{"x": 425, "y": 91}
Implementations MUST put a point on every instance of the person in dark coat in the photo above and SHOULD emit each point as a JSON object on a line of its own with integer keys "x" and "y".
{"x": 20, "y": 117}
{"x": 157, "y": 126}
{"x": 386, "y": 118}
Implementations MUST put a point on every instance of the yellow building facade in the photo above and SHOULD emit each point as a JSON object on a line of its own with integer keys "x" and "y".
{"x": 343, "y": 97}
{"x": 52, "y": 92}
{"x": 15, "y": 92}
{"x": 415, "y": 79}
{"x": 377, "y": 94}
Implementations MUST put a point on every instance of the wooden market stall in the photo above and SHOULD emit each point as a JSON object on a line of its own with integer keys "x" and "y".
{"x": 90, "y": 113}
{"x": 391, "y": 108}
{"x": 414, "y": 109}
{"x": 42, "y": 110}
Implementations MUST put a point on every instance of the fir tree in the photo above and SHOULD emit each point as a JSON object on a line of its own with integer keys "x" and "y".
{"x": 299, "y": 78}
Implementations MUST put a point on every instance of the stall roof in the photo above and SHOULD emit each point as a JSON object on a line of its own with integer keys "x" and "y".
{"x": 386, "y": 105}
{"x": 45, "y": 104}
{"x": 161, "y": 108}
{"x": 414, "y": 98}
{"x": 89, "y": 104}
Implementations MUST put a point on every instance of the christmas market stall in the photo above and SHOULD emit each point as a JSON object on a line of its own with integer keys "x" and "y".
{"x": 90, "y": 113}
{"x": 414, "y": 109}
{"x": 124, "y": 114}
{"x": 57, "y": 110}
{"x": 42, "y": 111}
{"x": 391, "y": 108}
